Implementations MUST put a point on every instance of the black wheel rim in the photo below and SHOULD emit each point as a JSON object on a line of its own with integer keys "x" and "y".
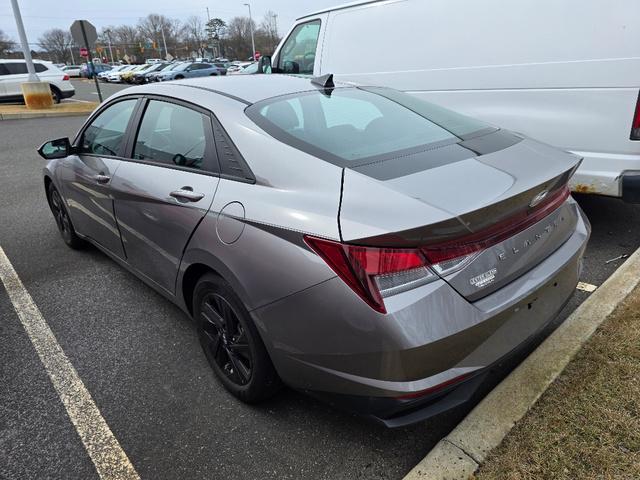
{"x": 224, "y": 339}
{"x": 60, "y": 214}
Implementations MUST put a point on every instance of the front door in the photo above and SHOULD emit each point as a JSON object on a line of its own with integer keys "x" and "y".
{"x": 91, "y": 171}
{"x": 166, "y": 189}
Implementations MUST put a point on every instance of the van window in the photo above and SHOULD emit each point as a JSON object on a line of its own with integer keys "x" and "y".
{"x": 3, "y": 69}
{"x": 298, "y": 54}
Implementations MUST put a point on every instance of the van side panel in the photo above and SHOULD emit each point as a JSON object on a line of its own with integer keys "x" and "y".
{"x": 566, "y": 73}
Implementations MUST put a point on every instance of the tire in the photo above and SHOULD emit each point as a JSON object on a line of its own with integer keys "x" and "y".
{"x": 63, "y": 221}
{"x": 213, "y": 74}
{"x": 231, "y": 341}
{"x": 179, "y": 77}
{"x": 55, "y": 93}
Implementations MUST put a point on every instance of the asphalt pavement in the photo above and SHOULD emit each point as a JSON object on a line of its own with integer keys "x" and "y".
{"x": 86, "y": 89}
{"x": 140, "y": 359}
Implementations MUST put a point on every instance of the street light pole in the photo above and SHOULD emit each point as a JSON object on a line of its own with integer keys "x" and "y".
{"x": 73, "y": 60}
{"x": 253, "y": 43}
{"x": 23, "y": 41}
{"x": 164, "y": 42}
{"x": 108, "y": 32}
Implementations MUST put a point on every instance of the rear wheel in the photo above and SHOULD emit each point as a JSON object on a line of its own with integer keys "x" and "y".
{"x": 231, "y": 341}
{"x": 60, "y": 214}
{"x": 55, "y": 94}
{"x": 179, "y": 77}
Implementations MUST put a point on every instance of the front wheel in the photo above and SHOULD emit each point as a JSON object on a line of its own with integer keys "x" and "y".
{"x": 60, "y": 214}
{"x": 179, "y": 77}
{"x": 231, "y": 341}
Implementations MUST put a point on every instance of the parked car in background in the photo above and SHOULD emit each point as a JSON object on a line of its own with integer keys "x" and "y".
{"x": 143, "y": 76}
{"x": 128, "y": 76}
{"x": 13, "y": 73}
{"x": 356, "y": 243}
{"x": 72, "y": 70}
{"x": 250, "y": 69}
{"x": 222, "y": 66}
{"x": 116, "y": 76}
{"x": 190, "y": 70}
{"x": 91, "y": 69}
{"x": 154, "y": 60}
{"x": 237, "y": 66}
{"x": 560, "y": 85}
{"x": 103, "y": 75}
{"x": 154, "y": 76}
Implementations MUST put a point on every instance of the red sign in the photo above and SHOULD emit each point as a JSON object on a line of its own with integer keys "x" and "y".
{"x": 84, "y": 52}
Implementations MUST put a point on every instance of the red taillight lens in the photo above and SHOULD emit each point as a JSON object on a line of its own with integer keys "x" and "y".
{"x": 635, "y": 124}
{"x": 373, "y": 273}
{"x": 66, "y": 77}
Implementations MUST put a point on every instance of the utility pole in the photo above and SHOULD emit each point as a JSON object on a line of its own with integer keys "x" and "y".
{"x": 108, "y": 32}
{"x": 24, "y": 43}
{"x": 253, "y": 43}
{"x": 164, "y": 42}
{"x": 73, "y": 60}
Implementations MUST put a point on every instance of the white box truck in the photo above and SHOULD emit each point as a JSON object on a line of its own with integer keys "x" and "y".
{"x": 566, "y": 72}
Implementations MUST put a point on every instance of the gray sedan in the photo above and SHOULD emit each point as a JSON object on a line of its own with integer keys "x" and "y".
{"x": 351, "y": 242}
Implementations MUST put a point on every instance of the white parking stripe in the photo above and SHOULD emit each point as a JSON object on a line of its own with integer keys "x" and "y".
{"x": 106, "y": 453}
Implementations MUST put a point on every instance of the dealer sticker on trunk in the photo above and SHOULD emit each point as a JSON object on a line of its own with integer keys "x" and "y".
{"x": 484, "y": 279}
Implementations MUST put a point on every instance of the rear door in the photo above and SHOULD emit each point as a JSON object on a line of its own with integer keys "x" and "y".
{"x": 166, "y": 188}
{"x": 4, "y": 76}
{"x": 17, "y": 74}
{"x": 89, "y": 173}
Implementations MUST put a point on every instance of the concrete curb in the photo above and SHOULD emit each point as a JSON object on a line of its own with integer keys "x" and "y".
{"x": 459, "y": 454}
{"x": 11, "y": 112}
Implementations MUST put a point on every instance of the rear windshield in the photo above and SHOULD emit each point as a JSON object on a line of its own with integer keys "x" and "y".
{"x": 350, "y": 126}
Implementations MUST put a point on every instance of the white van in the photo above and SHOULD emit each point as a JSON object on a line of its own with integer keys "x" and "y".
{"x": 565, "y": 72}
{"x": 13, "y": 73}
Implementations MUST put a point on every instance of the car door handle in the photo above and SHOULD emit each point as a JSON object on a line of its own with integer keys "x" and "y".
{"x": 184, "y": 194}
{"x": 101, "y": 178}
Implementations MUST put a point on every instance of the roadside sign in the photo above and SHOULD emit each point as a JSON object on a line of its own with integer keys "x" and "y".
{"x": 168, "y": 57}
{"x": 84, "y": 33}
{"x": 89, "y": 31}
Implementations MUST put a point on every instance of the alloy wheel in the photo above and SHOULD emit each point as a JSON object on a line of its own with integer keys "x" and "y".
{"x": 224, "y": 339}
{"x": 60, "y": 214}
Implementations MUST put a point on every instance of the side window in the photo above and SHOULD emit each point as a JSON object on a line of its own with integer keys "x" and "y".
{"x": 106, "y": 133}
{"x": 172, "y": 134}
{"x": 298, "y": 54}
{"x": 16, "y": 68}
{"x": 3, "y": 69}
{"x": 39, "y": 67}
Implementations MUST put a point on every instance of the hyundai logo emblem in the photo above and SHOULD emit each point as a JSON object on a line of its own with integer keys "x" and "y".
{"x": 538, "y": 198}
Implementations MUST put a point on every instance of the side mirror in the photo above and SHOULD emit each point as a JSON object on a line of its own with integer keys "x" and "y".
{"x": 58, "y": 148}
{"x": 264, "y": 64}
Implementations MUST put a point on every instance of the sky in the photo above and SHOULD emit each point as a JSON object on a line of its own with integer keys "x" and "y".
{"x": 41, "y": 15}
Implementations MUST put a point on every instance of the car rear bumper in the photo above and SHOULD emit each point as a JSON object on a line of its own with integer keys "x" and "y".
{"x": 67, "y": 93}
{"x": 604, "y": 174}
{"x": 386, "y": 365}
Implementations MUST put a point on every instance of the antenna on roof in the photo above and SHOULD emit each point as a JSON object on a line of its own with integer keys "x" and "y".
{"x": 325, "y": 82}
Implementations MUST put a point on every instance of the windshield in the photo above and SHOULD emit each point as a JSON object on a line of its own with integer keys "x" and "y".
{"x": 352, "y": 125}
{"x": 181, "y": 67}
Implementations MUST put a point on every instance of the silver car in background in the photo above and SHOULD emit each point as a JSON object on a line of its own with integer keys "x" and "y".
{"x": 353, "y": 242}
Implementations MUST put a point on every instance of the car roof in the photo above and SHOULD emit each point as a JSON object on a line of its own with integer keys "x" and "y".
{"x": 248, "y": 88}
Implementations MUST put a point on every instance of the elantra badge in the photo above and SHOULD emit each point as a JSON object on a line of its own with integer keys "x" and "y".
{"x": 538, "y": 198}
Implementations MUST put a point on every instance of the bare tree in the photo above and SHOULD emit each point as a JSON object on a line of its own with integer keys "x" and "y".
{"x": 238, "y": 39}
{"x": 153, "y": 26}
{"x": 195, "y": 34}
{"x": 56, "y": 43}
{"x": 268, "y": 36}
{"x": 127, "y": 39}
{"x": 6, "y": 44}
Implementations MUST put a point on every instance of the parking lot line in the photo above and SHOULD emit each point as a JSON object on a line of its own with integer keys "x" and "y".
{"x": 103, "y": 448}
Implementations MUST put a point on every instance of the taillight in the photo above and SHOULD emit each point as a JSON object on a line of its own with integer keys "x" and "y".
{"x": 374, "y": 273}
{"x": 635, "y": 125}
{"x": 377, "y": 272}
{"x": 66, "y": 77}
